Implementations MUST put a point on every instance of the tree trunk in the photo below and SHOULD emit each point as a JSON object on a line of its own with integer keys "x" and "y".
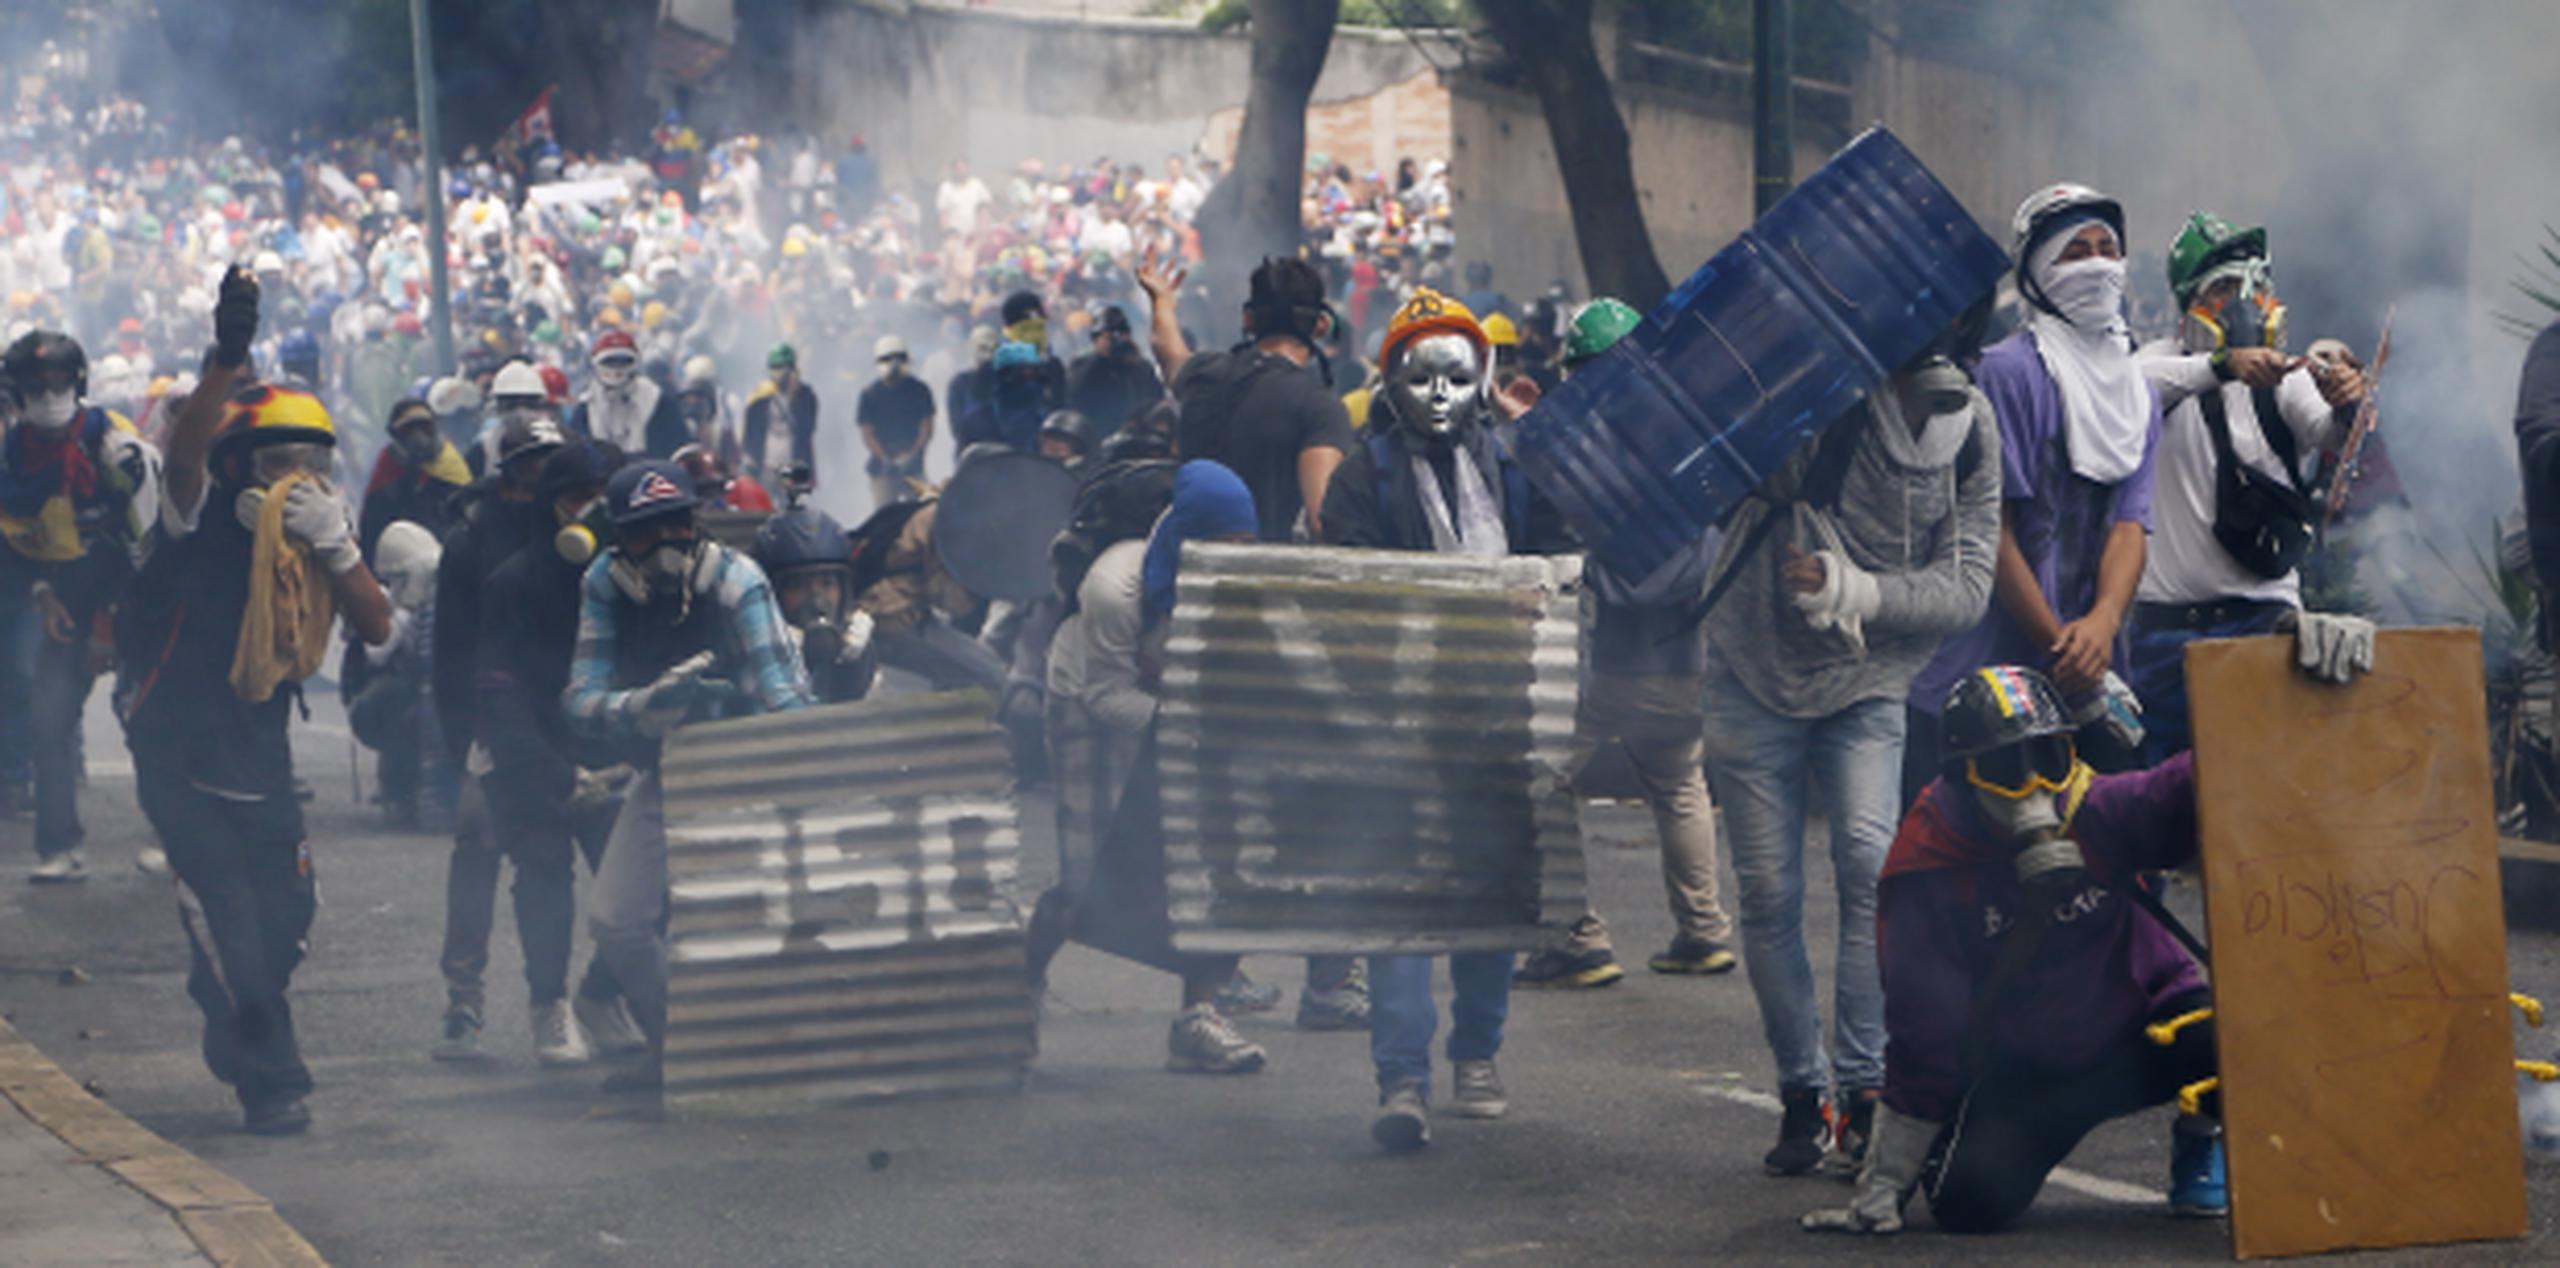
{"x": 604, "y": 48}
{"x": 1254, "y": 210}
{"x": 1552, "y": 43}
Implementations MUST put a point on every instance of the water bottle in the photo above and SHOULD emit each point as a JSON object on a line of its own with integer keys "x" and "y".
{"x": 2539, "y": 1105}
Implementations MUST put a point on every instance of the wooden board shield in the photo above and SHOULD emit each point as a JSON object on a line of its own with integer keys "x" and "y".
{"x": 2359, "y": 947}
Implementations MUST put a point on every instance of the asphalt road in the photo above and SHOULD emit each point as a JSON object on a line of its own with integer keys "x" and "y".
{"x": 1639, "y": 1112}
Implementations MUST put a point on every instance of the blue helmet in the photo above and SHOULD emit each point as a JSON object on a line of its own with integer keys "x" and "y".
{"x": 649, "y": 489}
{"x": 805, "y": 538}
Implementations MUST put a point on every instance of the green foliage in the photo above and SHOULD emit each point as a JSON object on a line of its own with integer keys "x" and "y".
{"x": 1830, "y": 37}
{"x": 2539, "y": 282}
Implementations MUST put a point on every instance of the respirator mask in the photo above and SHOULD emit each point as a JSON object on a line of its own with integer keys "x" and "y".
{"x": 616, "y": 372}
{"x": 52, "y": 411}
{"x": 419, "y": 445}
{"x": 2024, "y": 791}
{"x": 586, "y": 534}
{"x": 664, "y": 571}
{"x": 2235, "y": 307}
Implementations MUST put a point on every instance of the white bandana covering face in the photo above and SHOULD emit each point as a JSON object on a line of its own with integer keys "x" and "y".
{"x": 2106, "y": 404}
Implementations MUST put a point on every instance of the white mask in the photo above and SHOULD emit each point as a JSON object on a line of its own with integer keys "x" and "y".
{"x": 615, "y": 374}
{"x": 2089, "y": 292}
{"x": 53, "y": 411}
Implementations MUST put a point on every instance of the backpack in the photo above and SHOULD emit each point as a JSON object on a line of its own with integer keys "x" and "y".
{"x": 1121, "y": 501}
{"x": 874, "y": 538}
{"x": 2263, "y": 522}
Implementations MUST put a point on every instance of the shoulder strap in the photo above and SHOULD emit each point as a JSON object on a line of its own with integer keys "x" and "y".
{"x": 2217, "y": 424}
{"x": 1821, "y": 487}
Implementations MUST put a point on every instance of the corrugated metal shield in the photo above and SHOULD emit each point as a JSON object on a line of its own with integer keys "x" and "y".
{"x": 843, "y": 922}
{"x": 1362, "y": 751}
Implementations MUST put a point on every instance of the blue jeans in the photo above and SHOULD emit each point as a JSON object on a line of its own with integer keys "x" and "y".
{"x": 1402, "y": 1014}
{"x": 2161, "y": 633}
{"x": 1761, "y": 764}
{"x": 21, "y": 631}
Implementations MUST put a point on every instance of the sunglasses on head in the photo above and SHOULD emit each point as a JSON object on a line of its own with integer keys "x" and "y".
{"x": 2041, "y": 764}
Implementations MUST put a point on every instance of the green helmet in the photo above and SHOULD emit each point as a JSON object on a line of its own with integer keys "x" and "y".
{"x": 2205, "y": 243}
{"x": 1597, "y": 328}
{"x": 782, "y": 355}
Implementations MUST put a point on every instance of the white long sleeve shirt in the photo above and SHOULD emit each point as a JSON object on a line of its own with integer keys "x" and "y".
{"x": 2186, "y": 564}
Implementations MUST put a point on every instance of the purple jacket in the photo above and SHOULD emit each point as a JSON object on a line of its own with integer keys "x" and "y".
{"x": 2106, "y": 966}
{"x": 2062, "y": 518}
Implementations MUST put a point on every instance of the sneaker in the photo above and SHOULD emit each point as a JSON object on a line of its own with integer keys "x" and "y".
{"x": 647, "y": 1078}
{"x": 1700, "y": 957}
{"x": 66, "y": 868}
{"x": 1853, "y": 1126}
{"x": 1402, "y": 1124}
{"x": 609, "y": 1027}
{"x": 152, "y": 861}
{"x": 1476, "y": 1091}
{"x": 284, "y": 1117}
{"x": 557, "y": 1038}
{"x": 1803, "y": 1135}
{"x": 2198, "y": 1185}
{"x": 1202, "y": 1042}
{"x": 1568, "y": 970}
{"x": 1243, "y": 995}
{"x": 458, "y": 1038}
{"x": 1343, "y": 1008}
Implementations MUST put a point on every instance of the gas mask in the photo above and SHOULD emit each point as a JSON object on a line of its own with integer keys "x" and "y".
{"x": 2024, "y": 792}
{"x": 52, "y": 411}
{"x": 1437, "y": 385}
{"x": 586, "y": 534}
{"x": 664, "y": 571}
{"x": 617, "y": 372}
{"x": 2247, "y": 317}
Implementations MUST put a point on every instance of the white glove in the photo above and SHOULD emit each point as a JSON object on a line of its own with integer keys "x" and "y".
{"x": 660, "y": 707}
{"x": 2114, "y": 707}
{"x": 2333, "y": 647}
{"x": 596, "y": 787}
{"x": 858, "y": 629}
{"x": 316, "y": 516}
{"x": 1847, "y": 599}
{"x": 1896, "y": 1150}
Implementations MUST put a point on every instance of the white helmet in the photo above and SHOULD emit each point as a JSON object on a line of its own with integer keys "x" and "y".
{"x": 700, "y": 369}
{"x": 406, "y": 557}
{"x": 451, "y": 395}
{"x": 888, "y": 346}
{"x": 516, "y": 378}
{"x": 2047, "y": 208}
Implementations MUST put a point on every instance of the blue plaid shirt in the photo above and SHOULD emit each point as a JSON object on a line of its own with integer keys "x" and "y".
{"x": 757, "y": 654}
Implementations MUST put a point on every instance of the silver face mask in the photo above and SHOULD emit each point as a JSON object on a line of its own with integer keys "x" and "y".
{"x": 1437, "y": 385}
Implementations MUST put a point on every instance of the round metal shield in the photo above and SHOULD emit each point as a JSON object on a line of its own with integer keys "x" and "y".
{"x": 998, "y": 515}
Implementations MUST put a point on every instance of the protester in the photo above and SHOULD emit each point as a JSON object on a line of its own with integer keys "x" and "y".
{"x": 213, "y": 643}
{"x": 895, "y": 414}
{"x": 2231, "y": 519}
{"x": 1643, "y": 684}
{"x": 1113, "y": 384}
{"x": 79, "y": 494}
{"x": 2078, "y": 429}
{"x": 2024, "y": 962}
{"x": 1835, "y": 583}
{"x": 1102, "y": 700}
{"x": 1427, "y": 476}
{"x": 808, "y": 559}
{"x": 625, "y": 408}
{"x": 661, "y": 614}
{"x": 782, "y": 418}
{"x": 1255, "y": 408}
{"x": 497, "y": 517}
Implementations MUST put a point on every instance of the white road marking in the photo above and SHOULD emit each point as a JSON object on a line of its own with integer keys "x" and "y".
{"x": 2077, "y": 1181}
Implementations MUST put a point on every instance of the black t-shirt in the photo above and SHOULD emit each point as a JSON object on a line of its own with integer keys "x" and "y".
{"x": 1256, "y": 412}
{"x": 895, "y": 410}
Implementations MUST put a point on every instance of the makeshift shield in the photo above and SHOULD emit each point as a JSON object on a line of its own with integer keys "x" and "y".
{"x": 999, "y": 513}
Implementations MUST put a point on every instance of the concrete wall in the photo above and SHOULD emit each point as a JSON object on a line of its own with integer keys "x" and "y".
{"x": 927, "y": 84}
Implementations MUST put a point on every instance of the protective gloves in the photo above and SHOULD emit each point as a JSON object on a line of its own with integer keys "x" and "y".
{"x": 2113, "y": 706}
{"x": 316, "y": 516}
{"x": 2333, "y": 647}
{"x": 1896, "y": 1150}
{"x": 1847, "y": 599}
{"x": 660, "y": 707}
{"x": 595, "y": 788}
{"x": 235, "y": 317}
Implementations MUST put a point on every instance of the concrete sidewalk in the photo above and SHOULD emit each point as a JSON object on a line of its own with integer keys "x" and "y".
{"x": 83, "y": 1184}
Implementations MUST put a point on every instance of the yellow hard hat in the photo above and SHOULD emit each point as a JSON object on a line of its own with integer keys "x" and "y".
{"x": 267, "y": 414}
{"x": 1499, "y": 331}
{"x": 651, "y": 314}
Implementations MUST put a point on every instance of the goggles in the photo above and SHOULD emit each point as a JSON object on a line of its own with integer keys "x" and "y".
{"x": 617, "y": 361}
{"x": 2041, "y": 763}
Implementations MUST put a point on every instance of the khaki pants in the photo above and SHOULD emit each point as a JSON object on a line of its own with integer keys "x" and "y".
{"x": 1657, "y": 717}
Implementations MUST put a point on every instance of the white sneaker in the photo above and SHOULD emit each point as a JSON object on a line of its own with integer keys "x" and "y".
{"x": 65, "y": 868}
{"x": 608, "y": 1023}
{"x": 152, "y": 861}
{"x": 557, "y": 1040}
{"x": 1203, "y": 1042}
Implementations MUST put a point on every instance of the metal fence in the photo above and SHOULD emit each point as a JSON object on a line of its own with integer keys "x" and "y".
{"x": 1363, "y": 751}
{"x": 843, "y": 921}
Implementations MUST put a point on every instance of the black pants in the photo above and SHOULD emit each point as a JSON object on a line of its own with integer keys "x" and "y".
{"x": 2014, "y": 1128}
{"x": 500, "y": 824}
{"x": 245, "y": 865}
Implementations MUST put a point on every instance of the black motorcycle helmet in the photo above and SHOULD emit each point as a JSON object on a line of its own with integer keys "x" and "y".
{"x": 1074, "y": 427}
{"x": 2009, "y": 712}
{"x": 805, "y": 538}
{"x": 42, "y": 354}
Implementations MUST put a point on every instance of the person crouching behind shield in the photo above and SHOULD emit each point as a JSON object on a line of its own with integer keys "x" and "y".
{"x": 809, "y": 560}
{"x": 2022, "y": 971}
{"x": 1104, "y": 666}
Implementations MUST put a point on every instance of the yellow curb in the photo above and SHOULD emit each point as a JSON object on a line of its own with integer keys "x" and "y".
{"x": 229, "y": 1221}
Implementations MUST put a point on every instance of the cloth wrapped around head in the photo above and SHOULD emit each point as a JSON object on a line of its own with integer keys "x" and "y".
{"x": 1209, "y": 502}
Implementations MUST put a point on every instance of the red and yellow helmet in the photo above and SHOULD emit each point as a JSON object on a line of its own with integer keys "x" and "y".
{"x": 262, "y": 414}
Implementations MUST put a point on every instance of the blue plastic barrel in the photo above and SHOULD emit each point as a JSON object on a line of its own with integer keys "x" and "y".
{"x": 1848, "y": 277}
